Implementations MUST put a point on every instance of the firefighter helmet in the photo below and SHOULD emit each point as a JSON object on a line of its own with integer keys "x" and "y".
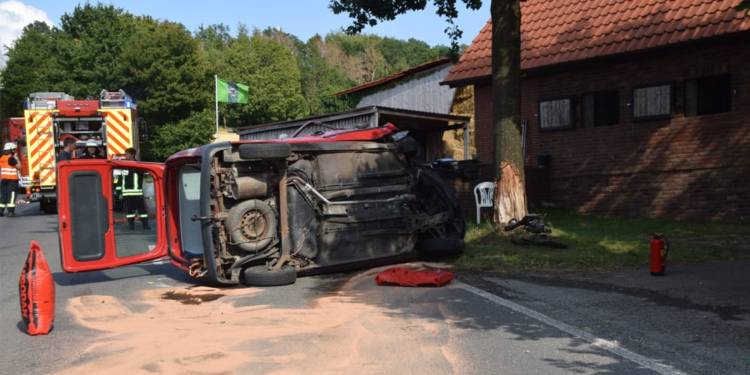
{"x": 10, "y": 146}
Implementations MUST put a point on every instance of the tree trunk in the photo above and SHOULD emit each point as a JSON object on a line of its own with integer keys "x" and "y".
{"x": 510, "y": 194}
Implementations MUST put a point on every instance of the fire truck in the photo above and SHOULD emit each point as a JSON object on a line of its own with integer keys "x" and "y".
{"x": 13, "y": 130}
{"x": 110, "y": 123}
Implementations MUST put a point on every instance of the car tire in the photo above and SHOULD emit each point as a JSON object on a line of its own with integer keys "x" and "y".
{"x": 439, "y": 247}
{"x": 236, "y": 221}
{"x": 430, "y": 180}
{"x": 264, "y": 151}
{"x": 262, "y": 276}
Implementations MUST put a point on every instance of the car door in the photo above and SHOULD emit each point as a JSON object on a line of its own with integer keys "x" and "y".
{"x": 111, "y": 213}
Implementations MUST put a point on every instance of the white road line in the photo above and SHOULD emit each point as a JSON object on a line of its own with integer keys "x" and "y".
{"x": 610, "y": 346}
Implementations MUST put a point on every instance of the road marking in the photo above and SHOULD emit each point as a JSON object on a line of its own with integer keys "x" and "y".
{"x": 610, "y": 346}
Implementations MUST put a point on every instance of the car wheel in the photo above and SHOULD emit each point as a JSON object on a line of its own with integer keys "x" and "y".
{"x": 264, "y": 151}
{"x": 252, "y": 225}
{"x": 262, "y": 276}
{"x": 438, "y": 247}
{"x": 437, "y": 196}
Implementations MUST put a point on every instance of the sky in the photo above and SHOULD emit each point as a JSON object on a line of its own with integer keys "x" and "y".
{"x": 303, "y": 18}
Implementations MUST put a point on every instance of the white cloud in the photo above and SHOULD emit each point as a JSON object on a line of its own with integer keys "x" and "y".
{"x": 14, "y": 16}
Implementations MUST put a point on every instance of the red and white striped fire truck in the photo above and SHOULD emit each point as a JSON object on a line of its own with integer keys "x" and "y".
{"x": 110, "y": 123}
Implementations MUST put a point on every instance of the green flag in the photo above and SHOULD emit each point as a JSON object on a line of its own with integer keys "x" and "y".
{"x": 231, "y": 92}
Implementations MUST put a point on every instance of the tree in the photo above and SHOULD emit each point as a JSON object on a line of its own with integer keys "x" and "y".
{"x": 272, "y": 73}
{"x": 320, "y": 81}
{"x": 215, "y": 41}
{"x": 32, "y": 65}
{"x": 95, "y": 36}
{"x": 196, "y": 130}
{"x": 506, "y": 78}
{"x": 369, "y": 13}
{"x": 164, "y": 69}
{"x": 744, "y": 5}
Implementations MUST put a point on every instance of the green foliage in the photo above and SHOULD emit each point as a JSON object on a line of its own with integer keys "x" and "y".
{"x": 273, "y": 75}
{"x": 321, "y": 80}
{"x": 169, "y": 71}
{"x": 32, "y": 66}
{"x": 370, "y": 13}
{"x": 164, "y": 68}
{"x": 92, "y": 39}
{"x": 744, "y": 5}
{"x": 197, "y": 129}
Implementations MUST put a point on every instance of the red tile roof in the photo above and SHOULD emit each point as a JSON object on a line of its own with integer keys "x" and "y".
{"x": 395, "y": 76}
{"x": 559, "y": 31}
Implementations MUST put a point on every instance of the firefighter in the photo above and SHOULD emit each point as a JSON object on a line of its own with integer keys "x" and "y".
{"x": 8, "y": 180}
{"x": 131, "y": 190}
{"x": 69, "y": 147}
{"x": 91, "y": 151}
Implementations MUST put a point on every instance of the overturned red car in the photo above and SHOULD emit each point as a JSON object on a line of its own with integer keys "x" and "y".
{"x": 260, "y": 212}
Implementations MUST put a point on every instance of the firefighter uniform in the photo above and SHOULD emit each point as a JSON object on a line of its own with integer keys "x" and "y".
{"x": 133, "y": 204}
{"x": 8, "y": 181}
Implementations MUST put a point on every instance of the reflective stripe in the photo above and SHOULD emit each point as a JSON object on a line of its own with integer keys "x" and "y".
{"x": 135, "y": 190}
{"x": 143, "y": 216}
{"x": 130, "y": 216}
{"x": 7, "y": 172}
{"x": 12, "y": 203}
{"x": 2, "y": 205}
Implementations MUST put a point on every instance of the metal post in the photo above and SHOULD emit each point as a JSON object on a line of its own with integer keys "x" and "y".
{"x": 216, "y": 101}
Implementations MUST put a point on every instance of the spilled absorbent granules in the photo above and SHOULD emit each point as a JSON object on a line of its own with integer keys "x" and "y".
{"x": 188, "y": 298}
{"x": 201, "y": 331}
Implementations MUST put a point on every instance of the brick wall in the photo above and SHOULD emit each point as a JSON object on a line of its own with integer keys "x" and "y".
{"x": 683, "y": 166}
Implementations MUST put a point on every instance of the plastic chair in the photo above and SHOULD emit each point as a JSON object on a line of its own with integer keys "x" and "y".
{"x": 483, "y": 194}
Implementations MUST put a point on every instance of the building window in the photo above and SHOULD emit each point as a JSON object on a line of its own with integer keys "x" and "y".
{"x": 556, "y": 114}
{"x": 601, "y": 108}
{"x": 708, "y": 95}
{"x": 652, "y": 102}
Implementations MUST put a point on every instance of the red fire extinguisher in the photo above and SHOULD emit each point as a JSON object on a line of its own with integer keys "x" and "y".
{"x": 659, "y": 252}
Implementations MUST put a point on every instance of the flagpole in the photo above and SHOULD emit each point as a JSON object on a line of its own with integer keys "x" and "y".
{"x": 216, "y": 101}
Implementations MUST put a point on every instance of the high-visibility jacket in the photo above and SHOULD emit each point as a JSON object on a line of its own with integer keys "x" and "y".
{"x": 131, "y": 184}
{"x": 7, "y": 171}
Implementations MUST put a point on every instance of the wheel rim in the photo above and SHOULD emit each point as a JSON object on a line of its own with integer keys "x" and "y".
{"x": 253, "y": 225}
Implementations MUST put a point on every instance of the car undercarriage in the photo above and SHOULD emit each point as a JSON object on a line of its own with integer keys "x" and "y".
{"x": 278, "y": 208}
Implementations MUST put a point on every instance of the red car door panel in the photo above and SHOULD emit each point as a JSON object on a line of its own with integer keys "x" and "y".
{"x": 93, "y": 235}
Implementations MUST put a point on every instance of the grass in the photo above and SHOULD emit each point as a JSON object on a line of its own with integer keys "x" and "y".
{"x": 602, "y": 243}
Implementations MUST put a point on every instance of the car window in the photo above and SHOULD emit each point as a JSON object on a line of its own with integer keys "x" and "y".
{"x": 134, "y": 210}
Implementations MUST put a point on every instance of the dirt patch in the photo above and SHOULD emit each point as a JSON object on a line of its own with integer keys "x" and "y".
{"x": 201, "y": 331}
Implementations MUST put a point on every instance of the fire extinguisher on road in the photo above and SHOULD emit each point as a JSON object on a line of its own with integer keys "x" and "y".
{"x": 659, "y": 252}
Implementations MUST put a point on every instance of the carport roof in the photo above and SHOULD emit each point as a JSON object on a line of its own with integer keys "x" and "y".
{"x": 402, "y": 118}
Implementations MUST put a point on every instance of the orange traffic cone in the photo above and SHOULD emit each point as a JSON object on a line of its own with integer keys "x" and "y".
{"x": 36, "y": 289}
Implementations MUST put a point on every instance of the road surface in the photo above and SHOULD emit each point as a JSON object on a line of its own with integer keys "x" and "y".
{"x": 151, "y": 318}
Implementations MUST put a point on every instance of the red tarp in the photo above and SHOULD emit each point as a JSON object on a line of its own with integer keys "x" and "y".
{"x": 413, "y": 277}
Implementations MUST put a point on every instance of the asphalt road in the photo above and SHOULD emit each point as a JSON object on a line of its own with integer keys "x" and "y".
{"x": 152, "y": 319}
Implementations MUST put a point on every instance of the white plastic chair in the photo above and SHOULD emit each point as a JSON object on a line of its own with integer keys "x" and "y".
{"x": 483, "y": 194}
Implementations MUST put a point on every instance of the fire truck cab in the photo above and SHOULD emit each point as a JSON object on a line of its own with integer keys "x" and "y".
{"x": 52, "y": 117}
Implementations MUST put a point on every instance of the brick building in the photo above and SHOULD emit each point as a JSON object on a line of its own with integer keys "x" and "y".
{"x": 638, "y": 107}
